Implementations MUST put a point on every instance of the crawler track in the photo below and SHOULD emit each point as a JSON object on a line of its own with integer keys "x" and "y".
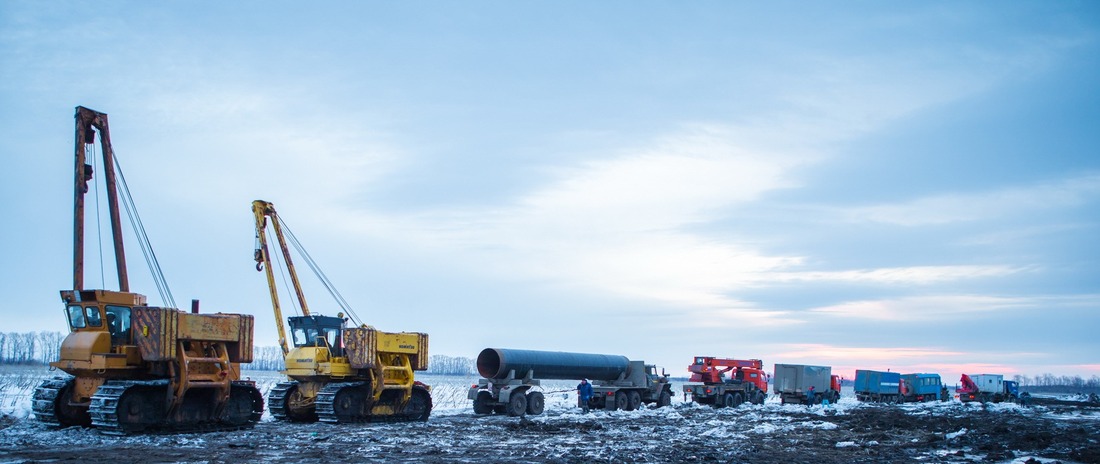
{"x": 350, "y": 402}
{"x": 50, "y": 404}
{"x": 128, "y": 407}
{"x": 44, "y": 403}
{"x": 276, "y": 400}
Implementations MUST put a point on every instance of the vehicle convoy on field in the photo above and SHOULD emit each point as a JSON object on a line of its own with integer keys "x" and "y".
{"x": 987, "y": 388}
{"x": 795, "y": 382}
{"x": 892, "y": 387}
{"x": 509, "y": 377}
{"x": 338, "y": 373}
{"x": 708, "y": 385}
{"x": 922, "y": 387}
{"x": 134, "y": 367}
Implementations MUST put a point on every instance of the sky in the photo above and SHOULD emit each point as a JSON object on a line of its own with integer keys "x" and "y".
{"x": 912, "y": 186}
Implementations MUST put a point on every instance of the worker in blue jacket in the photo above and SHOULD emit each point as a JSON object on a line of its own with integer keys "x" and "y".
{"x": 584, "y": 393}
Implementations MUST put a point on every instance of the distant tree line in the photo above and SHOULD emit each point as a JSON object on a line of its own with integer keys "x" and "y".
{"x": 41, "y": 348}
{"x": 30, "y": 347}
{"x": 270, "y": 358}
{"x": 1051, "y": 382}
{"x": 450, "y": 365}
{"x": 266, "y": 358}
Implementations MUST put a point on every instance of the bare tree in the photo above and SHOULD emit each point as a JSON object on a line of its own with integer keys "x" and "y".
{"x": 450, "y": 365}
{"x": 49, "y": 346}
{"x": 266, "y": 358}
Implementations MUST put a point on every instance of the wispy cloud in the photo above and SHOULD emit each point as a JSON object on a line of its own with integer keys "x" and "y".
{"x": 618, "y": 224}
{"x": 265, "y": 148}
{"x": 849, "y": 353}
{"x": 936, "y": 307}
{"x": 967, "y": 207}
{"x": 918, "y": 275}
{"x": 626, "y": 223}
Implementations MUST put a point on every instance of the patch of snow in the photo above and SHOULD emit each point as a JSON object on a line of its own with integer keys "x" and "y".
{"x": 954, "y": 435}
{"x": 766, "y": 428}
{"x": 845, "y": 444}
{"x": 821, "y": 425}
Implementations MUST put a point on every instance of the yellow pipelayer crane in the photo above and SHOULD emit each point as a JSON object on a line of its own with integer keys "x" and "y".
{"x": 338, "y": 373}
{"x": 132, "y": 367}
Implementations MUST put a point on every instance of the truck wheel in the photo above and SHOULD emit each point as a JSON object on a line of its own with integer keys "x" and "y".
{"x": 732, "y": 400}
{"x": 634, "y": 400}
{"x": 481, "y": 403}
{"x": 517, "y": 404}
{"x": 664, "y": 400}
{"x": 535, "y": 403}
{"x": 758, "y": 397}
{"x": 621, "y": 401}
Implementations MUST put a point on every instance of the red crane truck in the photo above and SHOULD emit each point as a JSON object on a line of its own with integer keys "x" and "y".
{"x": 708, "y": 384}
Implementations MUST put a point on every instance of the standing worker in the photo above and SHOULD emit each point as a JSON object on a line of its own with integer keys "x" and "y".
{"x": 810, "y": 395}
{"x": 584, "y": 394}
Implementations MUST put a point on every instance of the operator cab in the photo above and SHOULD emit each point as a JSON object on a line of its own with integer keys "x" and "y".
{"x": 94, "y": 310}
{"x": 318, "y": 331}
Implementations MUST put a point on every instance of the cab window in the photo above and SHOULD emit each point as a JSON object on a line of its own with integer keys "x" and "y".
{"x": 76, "y": 317}
{"x": 331, "y": 335}
{"x": 305, "y": 337}
{"x": 118, "y": 324}
{"x": 92, "y": 314}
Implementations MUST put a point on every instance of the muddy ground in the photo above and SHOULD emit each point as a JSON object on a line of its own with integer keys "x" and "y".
{"x": 771, "y": 433}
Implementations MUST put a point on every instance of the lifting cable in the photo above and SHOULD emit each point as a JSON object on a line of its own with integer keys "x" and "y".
{"x": 283, "y": 272}
{"x": 143, "y": 239}
{"x": 319, "y": 273}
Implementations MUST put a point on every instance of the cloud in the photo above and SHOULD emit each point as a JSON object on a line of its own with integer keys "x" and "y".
{"x": 970, "y": 207}
{"x": 920, "y": 275}
{"x": 243, "y": 143}
{"x": 619, "y": 224}
{"x": 936, "y": 307}
{"x": 628, "y": 223}
{"x": 848, "y": 353}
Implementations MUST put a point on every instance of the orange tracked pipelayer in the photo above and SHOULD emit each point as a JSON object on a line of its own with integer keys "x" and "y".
{"x": 133, "y": 367}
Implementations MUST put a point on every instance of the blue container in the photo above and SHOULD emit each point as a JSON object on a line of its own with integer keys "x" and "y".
{"x": 923, "y": 384}
{"x": 877, "y": 383}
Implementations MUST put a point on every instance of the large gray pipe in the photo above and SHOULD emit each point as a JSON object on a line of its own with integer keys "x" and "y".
{"x": 495, "y": 363}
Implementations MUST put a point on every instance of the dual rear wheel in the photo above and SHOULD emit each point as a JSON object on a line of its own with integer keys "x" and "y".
{"x": 732, "y": 400}
{"x": 532, "y": 403}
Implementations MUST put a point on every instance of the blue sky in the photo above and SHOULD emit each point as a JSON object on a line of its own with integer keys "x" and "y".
{"x": 913, "y": 186}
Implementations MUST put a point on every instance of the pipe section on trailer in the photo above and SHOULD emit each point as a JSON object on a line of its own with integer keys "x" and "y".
{"x": 496, "y": 363}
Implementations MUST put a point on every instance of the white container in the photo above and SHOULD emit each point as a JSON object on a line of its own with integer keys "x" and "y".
{"x": 797, "y": 378}
{"x": 989, "y": 383}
